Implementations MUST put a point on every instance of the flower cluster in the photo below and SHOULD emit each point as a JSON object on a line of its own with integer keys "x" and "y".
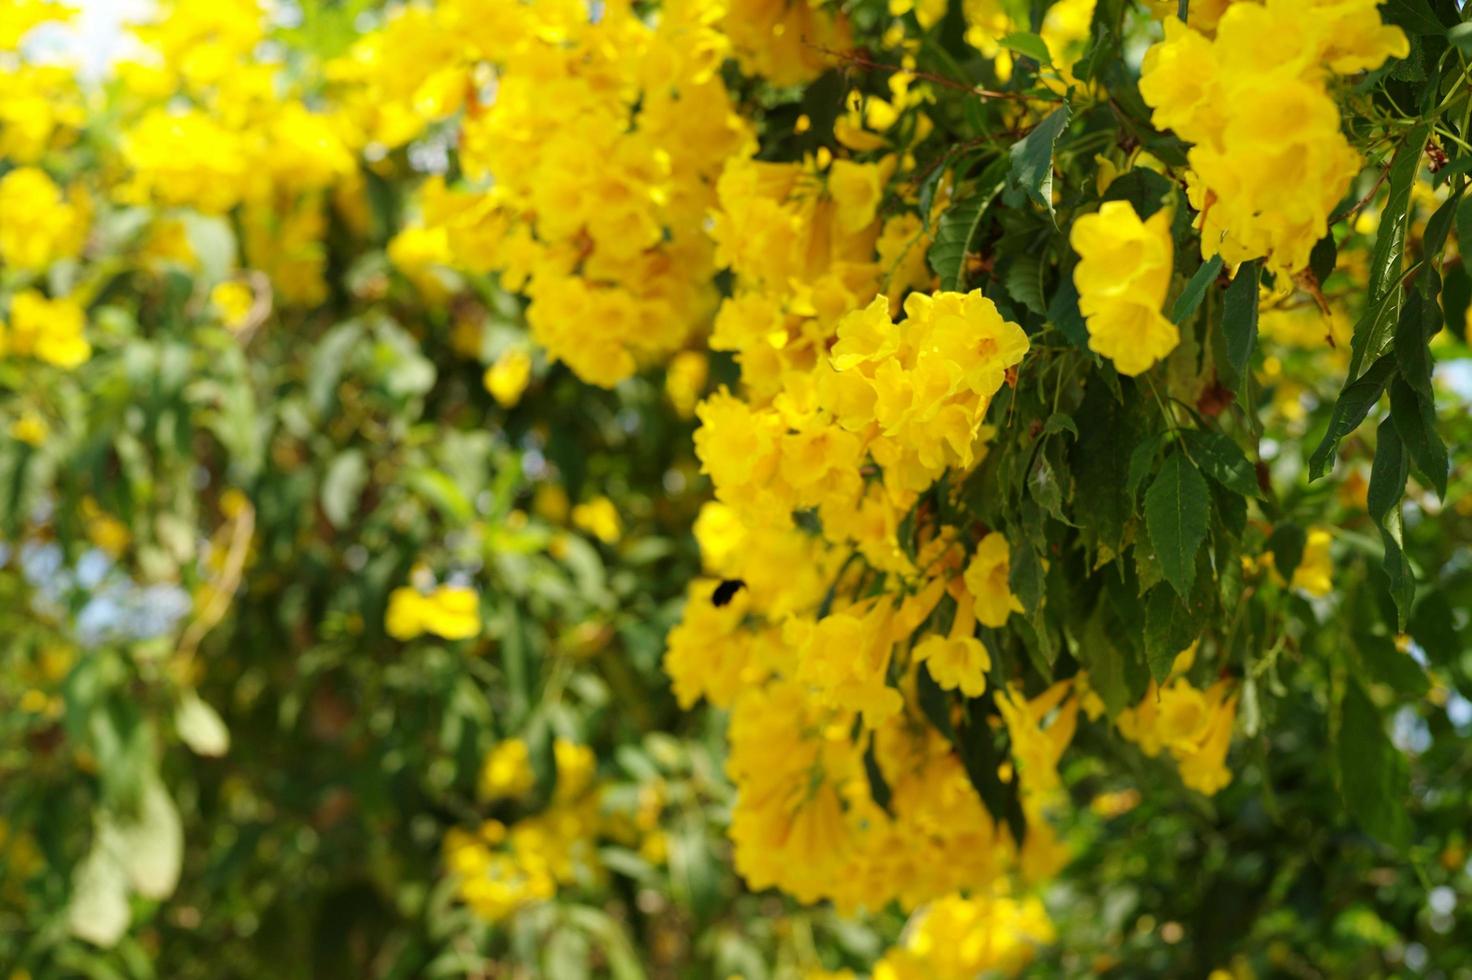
{"x": 594, "y": 212}
{"x": 1123, "y": 275}
{"x": 1269, "y": 161}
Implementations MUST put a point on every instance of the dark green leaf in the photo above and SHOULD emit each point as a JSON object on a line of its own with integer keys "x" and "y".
{"x": 1387, "y": 483}
{"x": 1032, "y": 158}
{"x": 1434, "y": 626}
{"x": 1372, "y": 332}
{"x": 957, "y": 228}
{"x": 878, "y": 786}
{"x": 1415, "y": 422}
{"x": 1372, "y": 773}
{"x": 1190, "y": 299}
{"x": 1063, "y": 311}
{"x": 982, "y": 761}
{"x": 1169, "y": 629}
{"x": 1223, "y": 460}
{"x": 1322, "y": 259}
{"x": 1286, "y": 544}
{"x": 1145, "y": 190}
{"x": 1108, "y": 433}
{"x": 1355, "y": 402}
{"x": 1415, "y": 16}
{"x": 1385, "y": 663}
{"x": 934, "y": 701}
{"x": 1239, "y": 325}
{"x": 1176, "y": 516}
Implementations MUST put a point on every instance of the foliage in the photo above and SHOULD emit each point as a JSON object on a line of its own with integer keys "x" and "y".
{"x": 737, "y": 488}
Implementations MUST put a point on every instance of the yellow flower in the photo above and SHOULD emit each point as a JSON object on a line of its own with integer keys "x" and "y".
{"x": 599, "y": 517}
{"x": 232, "y": 301}
{"x": 507, "y": 771}
{"x": 508, "y": 377}
{"x": 1122, "y": 276}
{"x": 856, "y": 190}
{"x": 48, "y": 329}
{"x": 450, "y": 612}
{"x": 37, "y": 224}
{"x": 1315, "y": 570}
{"x": 30, "y": 429}
{"x": 684, "y": 380}
{"x": 988, "y": 581}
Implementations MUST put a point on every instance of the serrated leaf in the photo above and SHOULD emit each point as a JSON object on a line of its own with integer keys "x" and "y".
{"x": 1239, "y": 325}
{"x": 1372, "y": 773}
{"x": 1176, "y": 516}
{"x": 1032, "y": 157}
{"x": 1169, "y": 629}
{"x": 1024, "y": 282}
{"x": 1108, "y": 433}
{"x": 1353, "y": 404}
{"x": 1223, "y": 460}
{"x": 957, "y": 228}
{"x": 1190, "y": 299}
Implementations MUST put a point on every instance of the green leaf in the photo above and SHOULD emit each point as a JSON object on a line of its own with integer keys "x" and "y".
{"x": 934, "y": 701}
{"x": 1415, "y": 421}
{"x": 343, "y": 485}
{"x": 1239, "y": 324}
{"x": 1355, "y": 402}
{"x": 1286, "y": 545}
{"x": 1063, "y": 311}
{"x": 1144, "y": 189}
{"x": 200, "y": 727}
{"x": 1026, "y": 576}
{"x": 1176, "y": 515}
{"x": 1385, "y": 663}
{"x": 878, "y": 787}
{"x": 1223, "y": 460}
{"x": 1322, "y": 259}
{"x": 1032, "y": 158}
{"x": 1108, "y": 433}
{"x": 1372, "y": 773}
{"x": 1190, "y": 299}
{"x": 1415, "y": 16}
{"x": 956, "y": 228}
{"x": 1169, "y": 629}
{"x": 1461, "y": 38}
{"x": 1030, "y": 45}
{"x": 1387, "y": 483}
{"x": 980, "y": 758}
{"x": 1372, "y": 332}
{"x": 1024, "y": 281}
